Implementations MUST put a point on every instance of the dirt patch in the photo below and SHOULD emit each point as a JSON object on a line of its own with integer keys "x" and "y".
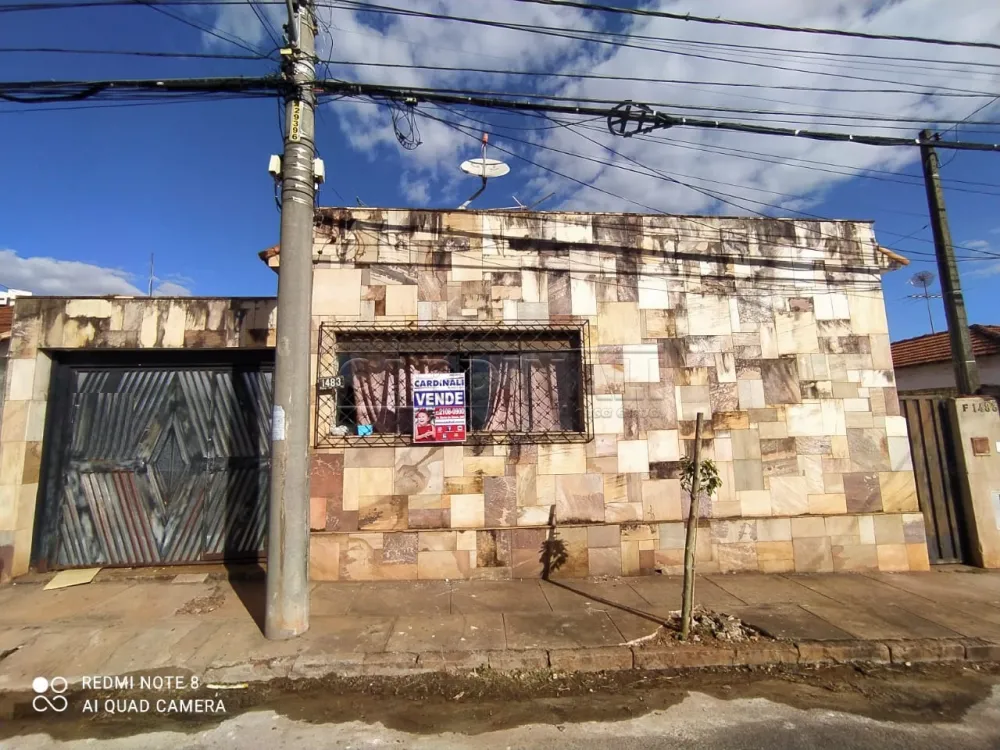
{"x": 202, "y": 605}
{"x": 484, "y": 700}
{"x": 707, "y": 629}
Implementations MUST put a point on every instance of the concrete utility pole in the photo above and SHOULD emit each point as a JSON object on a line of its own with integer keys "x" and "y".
{"x": 288, "y": 521}
{"x": 966, "y": 370}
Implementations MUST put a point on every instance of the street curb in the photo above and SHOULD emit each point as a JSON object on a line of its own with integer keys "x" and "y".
{"x": 621, "y": 658}
{"x": 679, "y": 658}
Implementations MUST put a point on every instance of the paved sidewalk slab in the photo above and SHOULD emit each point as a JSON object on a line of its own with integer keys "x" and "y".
{"x": 214, "y": 629}
{"x": 790, "y": 622}
{"x": 571, "y": 595}
{"x": 961, "y": 589}
{"x": 663, "y": 591}
{"x": 402, "y": 598}
{"x": 761, "y": 588}
{"x": 348, "y": 634}
{"x": 32, "y": 605}
{"x": 471, "y": 597}
{"x": 634, "y": 626}
{"x": 421, "y": 633}
{"x": 877, "y": 622}
{"x": 550, "y": 630}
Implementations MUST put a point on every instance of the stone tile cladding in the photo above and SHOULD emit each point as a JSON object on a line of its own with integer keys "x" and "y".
{"x": 775, "y": 330}
{"x": 43, "y": 324}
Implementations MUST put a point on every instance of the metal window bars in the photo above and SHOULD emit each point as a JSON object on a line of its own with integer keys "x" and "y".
{"x": 539, "y": 372}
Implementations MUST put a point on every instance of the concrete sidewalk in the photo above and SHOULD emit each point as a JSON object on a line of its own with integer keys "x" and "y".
{"x": 210, "y": 628}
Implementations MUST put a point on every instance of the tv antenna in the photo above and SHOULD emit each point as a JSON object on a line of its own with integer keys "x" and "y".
{"x": 484, "y": 169}
{"x": 923, "y": 280}
{"x": 525, "y": 206}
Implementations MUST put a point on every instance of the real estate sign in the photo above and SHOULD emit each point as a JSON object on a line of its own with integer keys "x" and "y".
{"x": 439, "y": 408}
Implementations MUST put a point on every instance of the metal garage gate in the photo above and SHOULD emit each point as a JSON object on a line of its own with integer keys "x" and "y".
{"x": 932, "y": 445}
{"x": 156, "y": 464}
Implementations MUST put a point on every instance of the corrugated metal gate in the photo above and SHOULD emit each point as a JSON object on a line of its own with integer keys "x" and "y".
{"x": 158, "y": 465}
{"x": 932, "y": 444}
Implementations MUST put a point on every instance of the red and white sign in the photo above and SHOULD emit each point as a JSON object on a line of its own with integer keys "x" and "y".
{"x": 439, "y": 408}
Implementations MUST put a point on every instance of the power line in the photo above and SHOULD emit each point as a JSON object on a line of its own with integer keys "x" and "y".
{"x": 719, "y": 196}
{"x": 594, "y": 76}
{"x": 627, "y": 113}
{"x": 268, "y": 28}
{"x": 637, "y": 116}
{"x": 783, "y": 160}
{"x": 760, "y": 25}
{"x": 774, "y": 284}
{"x": 580, "y": 35}
{"x": 131, "y": 53}
{"x": 807, "y": 164}
{"x": 785, "y": 116}
{"x": 211, "y": 30}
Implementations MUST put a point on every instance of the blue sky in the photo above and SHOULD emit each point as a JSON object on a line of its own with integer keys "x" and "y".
{"x": 92, "y": 192}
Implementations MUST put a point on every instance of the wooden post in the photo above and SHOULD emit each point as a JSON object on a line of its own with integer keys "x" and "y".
{"x": 692, "y": 536}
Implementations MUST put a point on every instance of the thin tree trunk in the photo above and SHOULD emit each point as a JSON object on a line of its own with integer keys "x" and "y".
{"x": 692, "y": 536}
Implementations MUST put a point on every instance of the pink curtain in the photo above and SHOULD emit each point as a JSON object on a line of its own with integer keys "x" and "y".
{"x": 525, "y": 394}
{"x": 383, "y": 389}
{"x": 544, "y": 395}
{"x": 506, "y": 389}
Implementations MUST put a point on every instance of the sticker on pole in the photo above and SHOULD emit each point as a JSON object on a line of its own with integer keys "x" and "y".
{"x": 295, "y": 122}
{"x": 439, "y": 408}
{"x": 277, "y": 423}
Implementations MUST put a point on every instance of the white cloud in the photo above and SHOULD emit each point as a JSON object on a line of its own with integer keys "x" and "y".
{"x": 416, "y": 191}
{"x": 51, "y": 276}
{"x": 986, "y": 269}
{"x": 980, "y": 267}
{"x": 171, "y": 289}
{"x": 688, "y": 154}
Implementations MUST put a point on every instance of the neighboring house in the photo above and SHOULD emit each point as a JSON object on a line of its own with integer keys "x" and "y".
{"x": 7, "y": 299}
{"x": 924, "y": 363}
{"x": 6, "y": 322}
{"x": 589, "y": 344}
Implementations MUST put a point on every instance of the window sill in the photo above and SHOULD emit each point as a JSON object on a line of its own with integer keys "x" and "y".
{"x": 479, "y": 438}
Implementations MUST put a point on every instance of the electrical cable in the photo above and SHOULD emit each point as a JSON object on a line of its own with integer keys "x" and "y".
{"x": 578, "y": 35}
{"x": 129, "y": 53}
{"x": 624, "y": 114}
{"x": 211, "y": 30}
{"x": 268, "y": 28}
{"x": 759, "y": 25}
{"x": 674, "y": 81}
{"x": 714, "y": 195}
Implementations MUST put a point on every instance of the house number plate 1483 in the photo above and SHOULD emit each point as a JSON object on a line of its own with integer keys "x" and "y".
{"x": 330, "y": 383}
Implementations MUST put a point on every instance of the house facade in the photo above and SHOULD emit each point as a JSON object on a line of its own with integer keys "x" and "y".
{"x": 559, "y": 362}
{"x": 589, "y": 344}
{"x": 923, "y": 364}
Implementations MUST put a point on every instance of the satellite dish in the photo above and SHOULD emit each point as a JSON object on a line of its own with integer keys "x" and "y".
{"x": 485, "y": 168}
{"x": 923, "y": 279}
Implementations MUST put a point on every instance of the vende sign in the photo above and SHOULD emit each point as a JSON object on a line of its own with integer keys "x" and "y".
{"x": 439, "y": 408}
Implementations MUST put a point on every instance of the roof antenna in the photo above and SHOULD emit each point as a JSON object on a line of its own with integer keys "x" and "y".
{"x": 483, "y": 168}
{"x": 924, "y": 279}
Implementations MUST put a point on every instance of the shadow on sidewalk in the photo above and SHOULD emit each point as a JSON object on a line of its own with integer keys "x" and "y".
{"x": 553, "y": 555}
{"x": 248, "y": 582}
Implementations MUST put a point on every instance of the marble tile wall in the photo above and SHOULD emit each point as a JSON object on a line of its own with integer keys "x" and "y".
{"x": 774, "y": 330}
{"x": 44, "y": 324}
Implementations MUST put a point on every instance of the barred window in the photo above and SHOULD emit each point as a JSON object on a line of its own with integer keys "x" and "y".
{"x": 522, "y": 385}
